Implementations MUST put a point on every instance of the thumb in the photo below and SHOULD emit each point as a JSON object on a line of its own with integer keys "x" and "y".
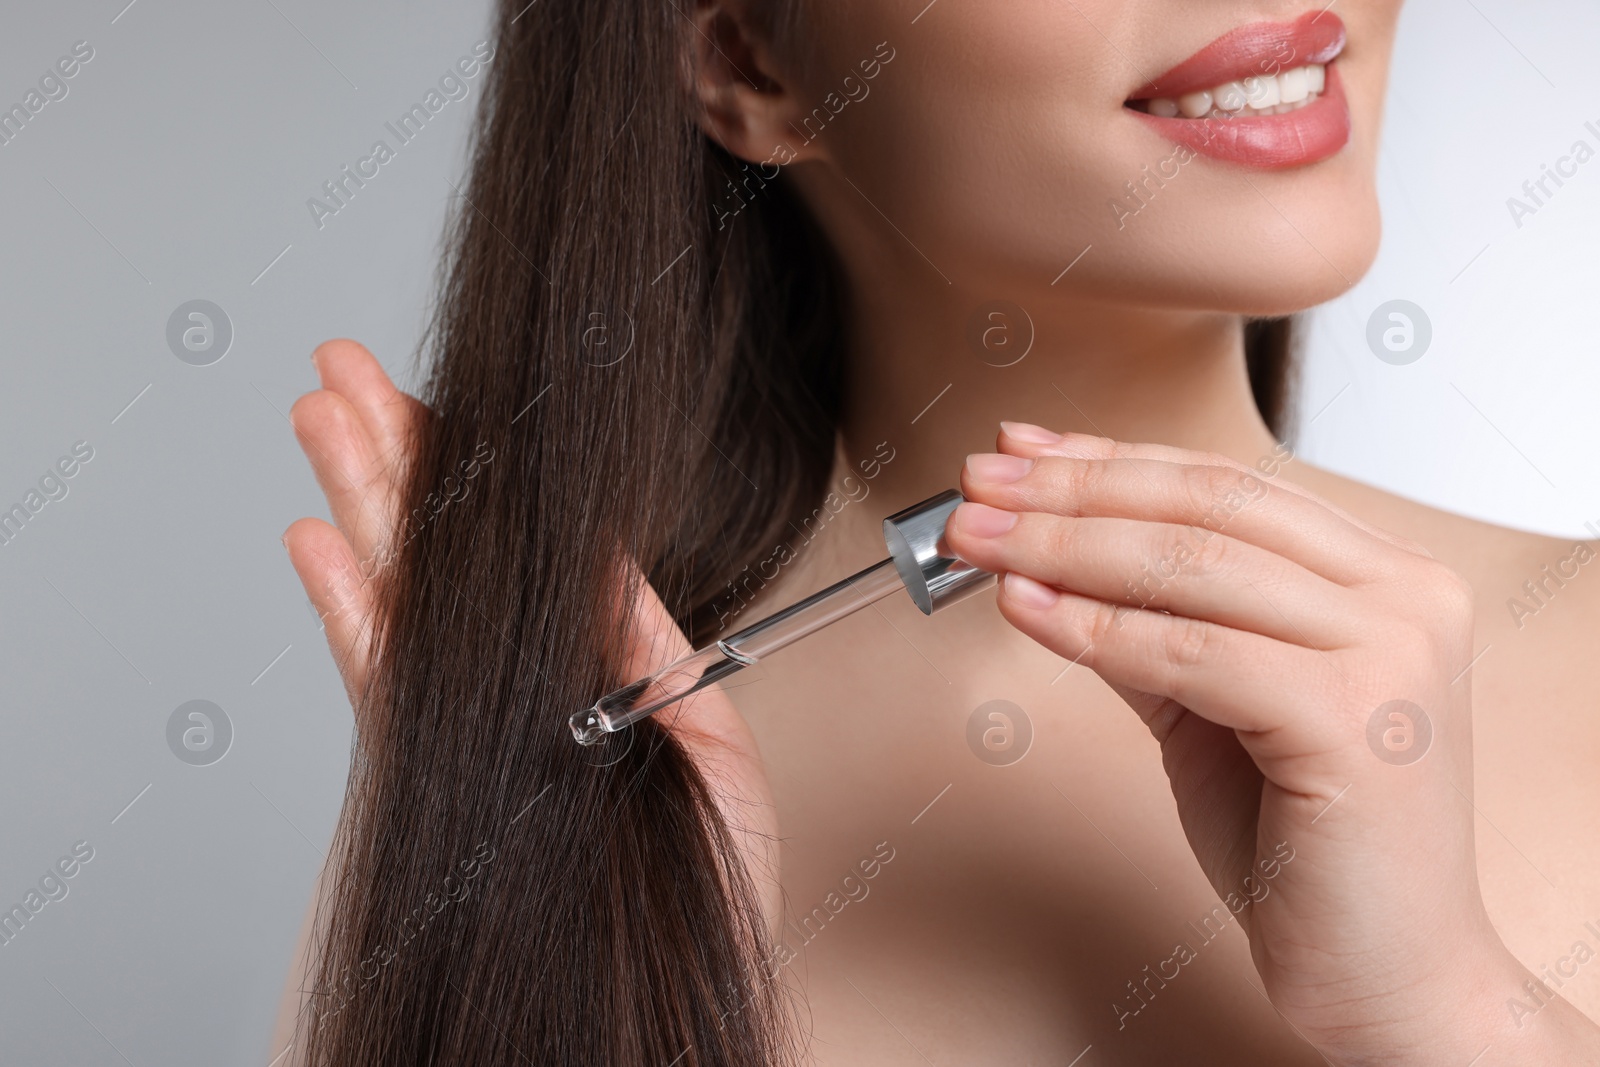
{"x": 713, "y": 735}
{"x": 705, "y": 723}
{"x": 1215, "y": 785}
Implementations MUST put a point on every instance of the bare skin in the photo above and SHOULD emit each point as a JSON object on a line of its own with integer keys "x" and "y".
{"x": 1019, "y": 905}
{"x": 1024, "y": 888}
{"x": 1023, "y": 903}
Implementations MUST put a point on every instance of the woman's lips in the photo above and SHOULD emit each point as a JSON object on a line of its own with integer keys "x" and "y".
{"x": 1316, "y": 37}
{"x": 1272, "y": 142}
{"x": 1265, "y": 95}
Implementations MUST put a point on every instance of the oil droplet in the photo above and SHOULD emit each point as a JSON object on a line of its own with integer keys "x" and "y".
{"x": 586, "y": 728}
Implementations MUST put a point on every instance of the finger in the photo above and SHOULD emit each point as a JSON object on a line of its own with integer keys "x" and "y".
{"x": 1185, "y": 570}
{"x": 712, "y": 732}
{"x": 714, "y": 736}
{"x": 1205, "y": 496}
{"x": 1217, "y": 787}
{"x": 1022, "y": 439}
{"x": 1230, "y": 677}
{"x": 328, "y": 570}
{"x": 360, "y": 495}
{"x": 389, "y": 415}
{"x": 704, "y": 721}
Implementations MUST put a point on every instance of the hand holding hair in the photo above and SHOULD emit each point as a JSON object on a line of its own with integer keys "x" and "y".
{"x": 355, "y": 432}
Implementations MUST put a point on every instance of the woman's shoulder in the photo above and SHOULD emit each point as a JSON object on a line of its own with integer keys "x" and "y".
{"x": 1518, "y": 575}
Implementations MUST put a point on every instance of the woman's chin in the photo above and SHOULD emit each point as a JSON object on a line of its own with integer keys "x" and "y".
{"x": 1310, "y": 264}
{"x": 1274, "y": 278}
{"x": 1304, "y": 246}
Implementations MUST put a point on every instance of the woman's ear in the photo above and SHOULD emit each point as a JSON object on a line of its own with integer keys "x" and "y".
{"x": 747, "y": 105}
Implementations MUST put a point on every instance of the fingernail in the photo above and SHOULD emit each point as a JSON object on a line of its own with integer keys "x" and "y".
{"x": 1027, "y": 431}
{"x": 1028, "y": 593}
{"x": 997, "y": 469}
{"x": 980, "y": 520}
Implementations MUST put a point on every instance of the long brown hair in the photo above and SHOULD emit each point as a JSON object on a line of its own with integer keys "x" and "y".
{"x": 647, "y": 382}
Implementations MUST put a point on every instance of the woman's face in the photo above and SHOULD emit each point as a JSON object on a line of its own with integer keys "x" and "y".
{"x": 1003, "y": 138}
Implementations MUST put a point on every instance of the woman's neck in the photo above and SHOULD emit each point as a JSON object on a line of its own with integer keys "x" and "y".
{"x": 925, "y": 376}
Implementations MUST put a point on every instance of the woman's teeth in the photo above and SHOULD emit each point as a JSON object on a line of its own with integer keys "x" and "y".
{"x": 1265, "y": 94}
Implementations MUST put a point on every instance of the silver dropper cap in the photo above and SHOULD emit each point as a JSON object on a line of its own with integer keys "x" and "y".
{"x": 934, "y": 578}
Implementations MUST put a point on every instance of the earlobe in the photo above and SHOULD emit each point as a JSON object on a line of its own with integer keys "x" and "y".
{"x": 745, "y": 104}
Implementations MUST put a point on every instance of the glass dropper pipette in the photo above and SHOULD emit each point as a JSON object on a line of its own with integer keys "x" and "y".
{"x": 917, "y": 562}
{"x": 732, "y": 654}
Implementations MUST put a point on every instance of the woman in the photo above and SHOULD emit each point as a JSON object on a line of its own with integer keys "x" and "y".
{"x": 730, "y": 282}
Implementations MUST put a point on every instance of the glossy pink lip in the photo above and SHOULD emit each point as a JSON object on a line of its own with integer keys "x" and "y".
{"x": 1269, "y": 142}
{"x": 1316, "y": 37}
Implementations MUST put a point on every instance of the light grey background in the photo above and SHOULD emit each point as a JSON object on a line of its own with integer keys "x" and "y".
{"x": 182, "y": 159}
{"x": 1499, "y": 419}
{"x": 178, "y": 167}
